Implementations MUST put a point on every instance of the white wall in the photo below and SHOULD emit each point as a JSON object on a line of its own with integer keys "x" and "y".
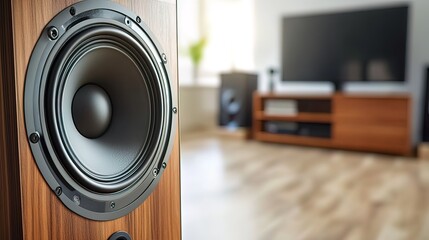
{"x": 188, "y": 32}
{"x": 198, "y": 108}
{"x": 268, "y": 15}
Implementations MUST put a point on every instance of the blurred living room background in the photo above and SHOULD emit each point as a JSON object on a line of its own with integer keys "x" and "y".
{"x": 304, "y": 119}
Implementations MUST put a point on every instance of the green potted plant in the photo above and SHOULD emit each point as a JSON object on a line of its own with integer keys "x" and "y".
{"x": 196, "y": 52}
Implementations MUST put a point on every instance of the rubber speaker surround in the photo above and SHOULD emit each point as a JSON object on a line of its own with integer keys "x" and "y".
{"x": 103, "y": 158}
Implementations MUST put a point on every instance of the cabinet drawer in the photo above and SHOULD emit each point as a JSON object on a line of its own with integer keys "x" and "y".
{"x": 394, "y": 112}
{"x": 372, "y": 137}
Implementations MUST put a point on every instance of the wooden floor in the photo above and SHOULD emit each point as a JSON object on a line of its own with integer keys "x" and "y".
{"x": 236, "y": 189}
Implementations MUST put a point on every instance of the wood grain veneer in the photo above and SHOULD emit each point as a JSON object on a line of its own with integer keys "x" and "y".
{"x": 10, "y": 207}
{"x": 380, "y": 123}
{"x": 42, "y": 215}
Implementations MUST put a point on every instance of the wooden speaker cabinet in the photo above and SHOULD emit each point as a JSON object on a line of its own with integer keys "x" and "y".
{"x": 89, "y": 142}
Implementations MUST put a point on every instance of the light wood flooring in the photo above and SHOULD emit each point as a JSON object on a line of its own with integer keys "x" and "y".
{"x": 237, "y": 189}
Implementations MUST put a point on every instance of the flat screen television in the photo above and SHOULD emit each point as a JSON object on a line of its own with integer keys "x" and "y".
{"x": 367, "y": 45}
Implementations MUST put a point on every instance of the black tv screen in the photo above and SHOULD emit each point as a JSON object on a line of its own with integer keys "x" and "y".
{"x": 367, "y": 45}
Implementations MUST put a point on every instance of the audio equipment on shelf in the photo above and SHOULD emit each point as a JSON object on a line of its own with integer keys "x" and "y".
{"x": 88, "y": 120}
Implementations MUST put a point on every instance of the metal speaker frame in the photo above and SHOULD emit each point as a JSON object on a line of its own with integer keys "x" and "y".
{"x": 99, "y": 29}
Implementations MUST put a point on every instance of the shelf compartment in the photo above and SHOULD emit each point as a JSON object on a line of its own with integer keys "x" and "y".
{"x": 292, "y": 139}
{"x": 294, "y": 97}
{"x": 300, "y": 117}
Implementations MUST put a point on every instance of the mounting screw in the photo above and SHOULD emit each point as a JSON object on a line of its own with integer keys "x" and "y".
{"x": 112, "y": 205}
{"x": 138, "y": 19}
{"x": 72, "y": 11}
{"x": 53, "y": 33}
{"x": 127, "y": 21}
{"x": 76, "y": 199}
{"x": 58, "y": 191}
{"x": 155, "y": 172}
{"x": 164, "y": 58}
{"x": 175, "y": 110}
{"x": 34, "y": 137}
{"x": 164, "y": 165}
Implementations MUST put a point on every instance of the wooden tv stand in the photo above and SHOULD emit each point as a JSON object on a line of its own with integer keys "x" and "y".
{"x": 362, "y": 122}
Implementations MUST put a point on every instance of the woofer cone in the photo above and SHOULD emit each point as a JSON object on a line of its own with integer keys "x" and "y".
{"x": 110, "y": 58}
{"x": 99, "y": 96}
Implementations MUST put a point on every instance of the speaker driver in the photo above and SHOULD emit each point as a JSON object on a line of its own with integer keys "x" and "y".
{"x": 231, "y": 106}
{"x": 98, "y": 96}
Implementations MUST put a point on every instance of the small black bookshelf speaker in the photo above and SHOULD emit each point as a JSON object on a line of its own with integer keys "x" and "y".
{"x": 235, "y": 99}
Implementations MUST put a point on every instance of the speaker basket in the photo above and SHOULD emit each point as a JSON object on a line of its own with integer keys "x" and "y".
{"x": 99, "y": 109}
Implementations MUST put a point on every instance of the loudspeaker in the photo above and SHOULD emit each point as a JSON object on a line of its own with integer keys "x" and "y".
{"x": 425, "y": 111}
{"x": 235, "y": 99}
{"x": 89, "y": 143}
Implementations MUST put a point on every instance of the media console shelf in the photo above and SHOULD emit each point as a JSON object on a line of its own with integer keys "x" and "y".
{"x": 362, "y": 122}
